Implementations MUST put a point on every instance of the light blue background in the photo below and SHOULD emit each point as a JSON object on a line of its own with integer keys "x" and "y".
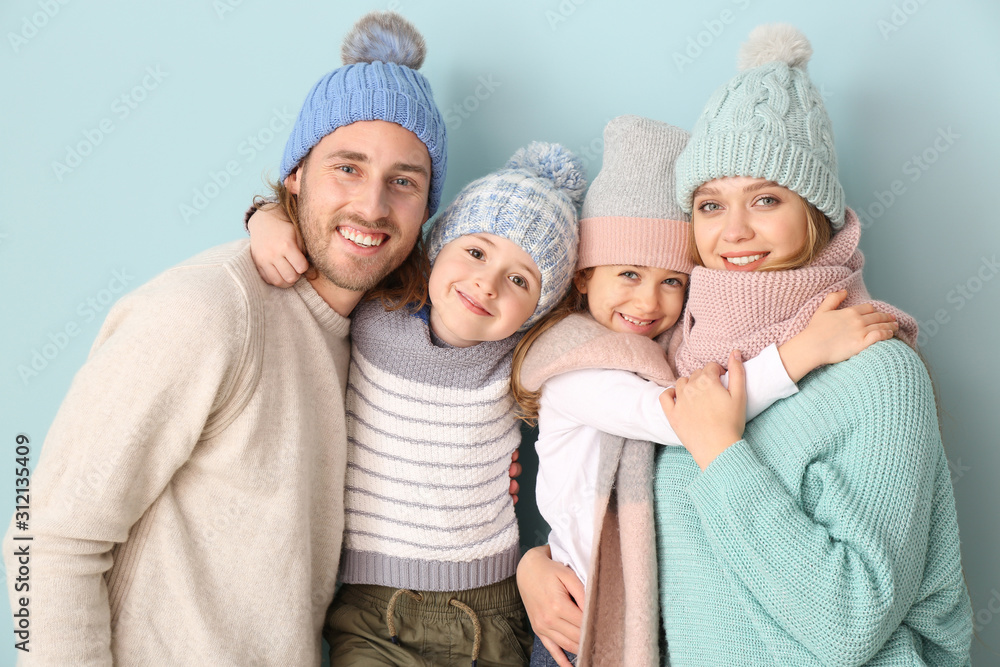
{"x": 896, "y": 75}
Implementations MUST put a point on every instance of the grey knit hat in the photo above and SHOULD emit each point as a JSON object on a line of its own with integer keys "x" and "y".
{"x": 767, "y": 122}
{"x": 534, "y": 202}
{"x": 630, "y": 215}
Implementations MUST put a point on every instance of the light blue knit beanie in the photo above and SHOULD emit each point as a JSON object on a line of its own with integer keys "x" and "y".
{"x": 767, "y": 122}
{"x": 379, "y": 81}
{"x": 533, "y": 201}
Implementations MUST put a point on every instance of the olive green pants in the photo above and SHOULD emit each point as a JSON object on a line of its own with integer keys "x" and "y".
{"x": 432, "y": 628}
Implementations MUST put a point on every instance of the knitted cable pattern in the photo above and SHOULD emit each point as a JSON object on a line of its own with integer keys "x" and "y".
{"x": 767, "y": 122}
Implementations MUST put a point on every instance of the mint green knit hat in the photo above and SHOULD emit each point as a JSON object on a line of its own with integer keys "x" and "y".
{"x": 767, "y": 122}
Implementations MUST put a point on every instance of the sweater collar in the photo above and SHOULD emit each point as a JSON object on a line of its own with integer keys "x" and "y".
{"x": 325, "y": 316}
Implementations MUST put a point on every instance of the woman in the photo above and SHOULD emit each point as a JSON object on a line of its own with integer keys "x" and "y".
{"x": 826, "y": 532}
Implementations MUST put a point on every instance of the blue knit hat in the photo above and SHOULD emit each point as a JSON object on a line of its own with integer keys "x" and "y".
{"x": 533, "y": 201}
{"x": 379, "y": 81}
{"x": 767, "y": 122}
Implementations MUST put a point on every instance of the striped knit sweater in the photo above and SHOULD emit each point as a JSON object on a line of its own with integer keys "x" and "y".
{"x": 827, "y": 536}
{"x": 431, "y": 430}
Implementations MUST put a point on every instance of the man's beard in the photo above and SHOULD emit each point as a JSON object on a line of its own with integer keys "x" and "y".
{"x": 347, "y": 271}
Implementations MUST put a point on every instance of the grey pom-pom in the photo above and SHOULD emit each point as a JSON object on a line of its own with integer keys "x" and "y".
{"x": 384, "y": 36}
{"x": 555, "y": 163}
{"x": 775, "y": 41}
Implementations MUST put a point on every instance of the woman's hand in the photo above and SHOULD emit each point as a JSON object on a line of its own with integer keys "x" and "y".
{"x": 274, "y": 246}
{"x": 553, "y": 598}
{"x": 835, "y": 334}
{"x": 706, "y": 416}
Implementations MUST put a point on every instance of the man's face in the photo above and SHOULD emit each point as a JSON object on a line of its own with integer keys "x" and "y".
{"x": 362, "y": 198}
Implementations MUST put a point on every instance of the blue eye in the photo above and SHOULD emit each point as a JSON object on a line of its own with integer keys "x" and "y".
{"x": 631, "y": 275}
{"x": 347, "y": 169}
{"x": 768, "y": 200}
{"x": 402, "y": 181}
{"x": 708, "y": 207}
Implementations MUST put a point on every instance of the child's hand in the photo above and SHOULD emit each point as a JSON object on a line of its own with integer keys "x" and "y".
{"x": 706, "y": 416}
{"x": 514, "y": 472}
{"x": 553, "y": 597}
{"x": 275, "y": 248}
{"x": 835, "y": 335}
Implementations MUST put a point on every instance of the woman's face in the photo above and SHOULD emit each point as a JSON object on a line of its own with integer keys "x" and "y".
{"x": 747, "y": 224}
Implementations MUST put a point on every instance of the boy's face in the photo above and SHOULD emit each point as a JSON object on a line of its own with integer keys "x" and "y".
{"x": 642, "y": 300}
{"x": 482, "y": 287}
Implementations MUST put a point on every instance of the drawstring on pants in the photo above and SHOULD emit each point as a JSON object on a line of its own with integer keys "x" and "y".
{"x": 477, "y": 638}
{"x": 390, "y": 611}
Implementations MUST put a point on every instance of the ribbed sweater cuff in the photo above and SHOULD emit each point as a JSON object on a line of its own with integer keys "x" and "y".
{"x": 735, "y": 479}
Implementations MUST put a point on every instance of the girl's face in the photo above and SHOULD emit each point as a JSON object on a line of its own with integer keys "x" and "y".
{"x": 747, "y": 224}
{"x": 482, "y": 287}
{"x": 642, "y": 300}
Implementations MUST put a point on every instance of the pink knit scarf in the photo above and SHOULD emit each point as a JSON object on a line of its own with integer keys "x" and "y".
{"x": 747, "y": 311}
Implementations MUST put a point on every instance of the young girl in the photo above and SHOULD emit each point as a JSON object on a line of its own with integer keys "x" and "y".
{"x": 824, "y": 531}
{"x": 630, "y": 288}
{"x": 431, "y": 541}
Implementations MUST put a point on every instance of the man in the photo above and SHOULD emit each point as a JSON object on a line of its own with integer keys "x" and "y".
{"x": 188, "y": 505}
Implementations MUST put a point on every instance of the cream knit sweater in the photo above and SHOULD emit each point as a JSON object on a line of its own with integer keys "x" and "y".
{"x": 187, "y": 508}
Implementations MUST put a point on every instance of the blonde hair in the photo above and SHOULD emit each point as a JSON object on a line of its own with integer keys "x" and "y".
{"x": 574, "y": 302}
{"x": 405, "y": 286}
{"x": 819, "y": 231}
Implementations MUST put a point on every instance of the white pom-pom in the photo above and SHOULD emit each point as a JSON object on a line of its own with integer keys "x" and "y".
{"x": 555, "y": 163}
{"x": 775, "y": 41}
{"x": 384, "y": 36}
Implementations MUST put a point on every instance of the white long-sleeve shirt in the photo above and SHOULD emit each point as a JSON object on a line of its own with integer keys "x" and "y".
{"x": 578, "y": 406}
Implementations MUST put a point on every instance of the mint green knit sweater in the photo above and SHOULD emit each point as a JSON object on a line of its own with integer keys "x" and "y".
{"x": 827, "y": 536}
